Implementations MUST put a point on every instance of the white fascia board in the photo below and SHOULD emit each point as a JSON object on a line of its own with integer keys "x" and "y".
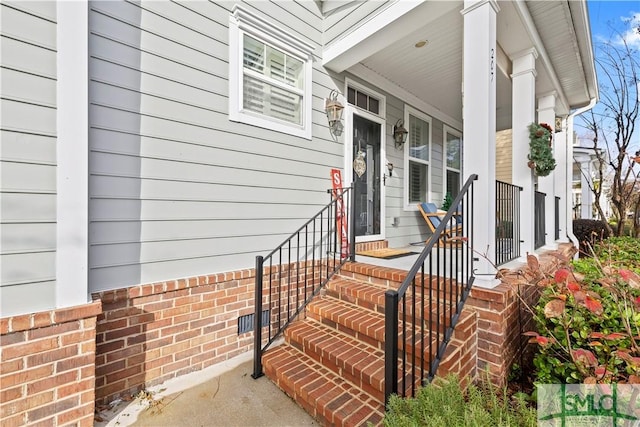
{"x": 530, "y": 27}
{"x": 386, "y": 27}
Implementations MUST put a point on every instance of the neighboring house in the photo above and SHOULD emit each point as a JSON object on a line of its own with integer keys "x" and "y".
{"x": 150, "y": 150}
{"x": 585, "y": 177}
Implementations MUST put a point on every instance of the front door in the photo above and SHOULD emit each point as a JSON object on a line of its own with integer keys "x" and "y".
{"x": 366, "y": 165}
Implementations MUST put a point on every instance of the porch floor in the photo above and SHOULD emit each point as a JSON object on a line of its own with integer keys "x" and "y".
{"x": 406, "y": 262}
{"x": 401, "y": 263}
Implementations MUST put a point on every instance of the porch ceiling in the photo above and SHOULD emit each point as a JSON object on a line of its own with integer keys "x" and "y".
{"x": 433, "y": 73}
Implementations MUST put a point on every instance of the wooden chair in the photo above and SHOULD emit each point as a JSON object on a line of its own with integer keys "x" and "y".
{"x": 433, "y": 218}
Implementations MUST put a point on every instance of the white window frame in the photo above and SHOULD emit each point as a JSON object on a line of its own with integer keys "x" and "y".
{"x": 408, "y": 110}
{"x": 446, "y": 130}
{"x": 242, "y": 22}
{"x": 364, "y": 89}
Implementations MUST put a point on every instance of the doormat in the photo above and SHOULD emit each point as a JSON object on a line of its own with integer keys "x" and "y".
{"x": 386, "y": 253}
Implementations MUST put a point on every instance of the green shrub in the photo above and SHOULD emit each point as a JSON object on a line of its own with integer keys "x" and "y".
{"x": 620, "y": 251}
{"x": 446, "y": 203}
{"x": 588, "y": 232}
{"x": 444, "y": 404}
{"x": 588, "y": 319}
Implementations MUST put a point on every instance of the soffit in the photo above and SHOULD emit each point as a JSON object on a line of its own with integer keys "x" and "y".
{"x": 434, "y": 73}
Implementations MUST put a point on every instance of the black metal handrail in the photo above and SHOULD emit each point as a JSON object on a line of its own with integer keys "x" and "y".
{"x": 294, "y": 272}
{"x": 540, "y": 231}
{"x": 507, "y": 222}
{"x": 420, "y": 316}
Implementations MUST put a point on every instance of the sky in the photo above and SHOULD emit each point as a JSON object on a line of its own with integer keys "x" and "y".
{"x": 623, "y": 16}
{"x": 605, "y": 12}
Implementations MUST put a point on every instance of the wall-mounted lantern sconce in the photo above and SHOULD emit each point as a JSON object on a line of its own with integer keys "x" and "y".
{"x": 334, "y": 109}
{"x": 399, "y": 133}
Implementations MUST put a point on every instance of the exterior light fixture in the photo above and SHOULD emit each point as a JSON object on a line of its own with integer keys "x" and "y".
{"x": 334, "y": 109}
{"x": 399, "y": 133}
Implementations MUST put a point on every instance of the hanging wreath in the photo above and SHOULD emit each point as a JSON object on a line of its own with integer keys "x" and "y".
{"x": 540, "y": 155}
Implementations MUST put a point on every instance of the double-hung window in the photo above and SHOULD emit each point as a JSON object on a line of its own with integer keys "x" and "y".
{"x": 417, "y": 158}
{"x": 269, "y": 76}
{"x": 453, "y": 161}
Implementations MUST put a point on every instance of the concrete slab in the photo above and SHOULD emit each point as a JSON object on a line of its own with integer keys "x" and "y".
{"x": 222, "y": 395}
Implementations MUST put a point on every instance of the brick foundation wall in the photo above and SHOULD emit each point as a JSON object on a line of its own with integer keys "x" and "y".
{"x": 502, "y": 318}
{"x": 47, "y": 367}
{"x": 499, "y": 338}
{"x": 150, "y": 333}
{"x": 461, "y": 354}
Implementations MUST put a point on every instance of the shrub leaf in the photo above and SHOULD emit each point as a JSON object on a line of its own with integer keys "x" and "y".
{"x": 554, "y": 308}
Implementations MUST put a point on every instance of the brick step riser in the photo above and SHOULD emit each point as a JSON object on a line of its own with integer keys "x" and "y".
{"x": 368, "y": 376}
{"x": 364, "y": 333}
{"x": 384, "y": 277}
{"x": 338, "y": 367}
{"x": 373, "y": 335}
{"x": 345, "y": 356}
{"x": 374, "y": 298}
{"x": 378, "y": 308}
{"x": 323, "y": 394}
{"x": 379, "y": 344}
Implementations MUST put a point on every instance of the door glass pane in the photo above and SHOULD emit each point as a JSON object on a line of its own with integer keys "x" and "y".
{"x": 351, "y": 96}
{"x": 366, "y": 145}
{"x": 374, "y": 105}
{"x": 361, "y": 100}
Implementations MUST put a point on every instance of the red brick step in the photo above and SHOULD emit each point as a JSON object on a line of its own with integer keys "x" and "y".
{"x": 326, "y": 396}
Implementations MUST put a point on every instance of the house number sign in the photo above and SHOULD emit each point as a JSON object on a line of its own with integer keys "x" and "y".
{"x": 492, "y": 63}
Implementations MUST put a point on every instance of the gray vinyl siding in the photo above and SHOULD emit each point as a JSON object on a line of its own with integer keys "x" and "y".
{"x": 28, "y": 157}
{"x": 344, "y": 20}
{"x": 176, "y": 189}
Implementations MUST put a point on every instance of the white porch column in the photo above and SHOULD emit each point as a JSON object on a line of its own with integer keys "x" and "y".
{"x": 546, "y": 184}
{"x": 523, "y": 114}
{"x": 561, "y": 176}
{"x": 479, "y": 117}
{"x": 586, "y": 203}
{"x": 72, "y": 154}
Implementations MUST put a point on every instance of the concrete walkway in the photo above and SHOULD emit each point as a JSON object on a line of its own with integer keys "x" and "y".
{"x": 221, "y": 395}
